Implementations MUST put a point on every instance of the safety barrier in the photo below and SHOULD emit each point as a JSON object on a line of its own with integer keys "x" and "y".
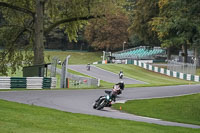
{"x": 82, "y": 80}
{"x": 27, "y": 82}
{"x": 175, "y": 74}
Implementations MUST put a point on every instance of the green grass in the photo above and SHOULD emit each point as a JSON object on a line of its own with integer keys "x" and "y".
{"x": 184, "y": 109}
{"x": 75, "y": 58}
{"x": 152, "y": 78}
{"x": 20, "y": 118}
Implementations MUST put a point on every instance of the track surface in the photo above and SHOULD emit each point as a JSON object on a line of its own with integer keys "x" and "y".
{"x": 103, "y": 74}
{"x": 80, "y": 101}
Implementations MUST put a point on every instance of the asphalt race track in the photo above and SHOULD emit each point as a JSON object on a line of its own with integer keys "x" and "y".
{"x": 80, "y": 101}
{"x": 103, "y": 74}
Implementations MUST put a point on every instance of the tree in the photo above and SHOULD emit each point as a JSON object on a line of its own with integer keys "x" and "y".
{"x": 143, "y": 12}
{"x": 108, "y": 33}
{"x": 27, "y": 22}
{"x": 178, "y": 23}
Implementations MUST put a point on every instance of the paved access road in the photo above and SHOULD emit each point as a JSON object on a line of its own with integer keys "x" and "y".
{"x": 103, "y": 74}
{"x": 80, "y": 101}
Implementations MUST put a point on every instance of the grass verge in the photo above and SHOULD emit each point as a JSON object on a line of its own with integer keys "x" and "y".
{"x": 20, "y": 118}
{"x": 138, "y": 73}
{"x": 75, "y": 58}
{"x": 184, "y": 109}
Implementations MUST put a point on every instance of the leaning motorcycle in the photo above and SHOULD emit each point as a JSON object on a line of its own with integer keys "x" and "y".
{"x": 103, "y": 101}
{"x": 106, "y": 100}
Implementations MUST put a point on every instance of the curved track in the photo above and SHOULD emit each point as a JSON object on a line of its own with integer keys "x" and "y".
{"x": 103, "y": 74}
{"x": 80, "y": 101}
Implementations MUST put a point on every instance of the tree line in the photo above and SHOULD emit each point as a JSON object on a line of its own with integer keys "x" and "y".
{"x": 26, "y": 25}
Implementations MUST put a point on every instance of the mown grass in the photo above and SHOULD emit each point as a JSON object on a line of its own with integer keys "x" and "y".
{"x": 20, "y": 118}
{"x": 151, "y": 78}
{"x": 184, "y": 109}
{"x": 138, "y": 73}
{"x": 75, "y": 58}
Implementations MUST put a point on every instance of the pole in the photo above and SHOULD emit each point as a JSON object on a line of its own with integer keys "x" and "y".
{"x": 123, "y": 45}
{"x": 103, "y": 55}
{"x": 64, "y": 73}
{"x": 67, "y": 59}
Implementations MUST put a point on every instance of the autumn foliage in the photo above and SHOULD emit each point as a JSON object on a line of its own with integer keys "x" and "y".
{"x": 108, "y": 33}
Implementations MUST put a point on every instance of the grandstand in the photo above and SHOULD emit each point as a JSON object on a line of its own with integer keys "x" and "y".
{"x": 142, "y": 52}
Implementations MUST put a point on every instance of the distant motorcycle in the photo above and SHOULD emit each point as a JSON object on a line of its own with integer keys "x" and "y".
{"x": 121, "y": 75}
{"x": 106, "y": 100}
{"x": 88, "y": 67}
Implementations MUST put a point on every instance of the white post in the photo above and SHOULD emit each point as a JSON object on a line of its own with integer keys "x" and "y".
{"x": 103, "y": 55}
{"x": 98, "y": 84}
{"x": 64, "y": 73}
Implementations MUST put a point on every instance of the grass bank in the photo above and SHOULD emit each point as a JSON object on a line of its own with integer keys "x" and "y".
{"x": 20, "y": 118}
{"x": 184, "y": 109}
{"x": 151, "y": 78}
{"x": 75, "y": 58}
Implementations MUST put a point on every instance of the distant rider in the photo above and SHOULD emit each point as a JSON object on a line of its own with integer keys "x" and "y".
{"x": 88, "y": 67}
{"x": 121, "y": 74}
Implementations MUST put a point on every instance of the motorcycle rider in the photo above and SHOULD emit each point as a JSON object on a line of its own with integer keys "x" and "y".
{"x": 88, "y": 66}
{"x": 121, "y": 74}
{"x": 121, "y": 85}
{"x": 117, "y": 89}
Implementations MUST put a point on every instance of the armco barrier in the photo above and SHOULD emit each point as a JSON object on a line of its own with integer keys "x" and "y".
{"x": 5, "y": 83}
{"x": 179, "y": 75}
{"x": 27, "y": 82}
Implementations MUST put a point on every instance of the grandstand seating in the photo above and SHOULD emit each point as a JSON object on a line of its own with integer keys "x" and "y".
{"x": 141, "y": 52}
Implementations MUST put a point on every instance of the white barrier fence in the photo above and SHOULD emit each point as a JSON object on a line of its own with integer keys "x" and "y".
{"x": 27, "y": 82}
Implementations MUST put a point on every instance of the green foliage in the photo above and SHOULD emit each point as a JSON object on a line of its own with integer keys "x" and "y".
{"x": 18, "y": 32}
{"x": 178, "y": 22}
{"x": 184, "y": 109}
{"x": 108, "y": 33}
{"x": 143, "y": 12}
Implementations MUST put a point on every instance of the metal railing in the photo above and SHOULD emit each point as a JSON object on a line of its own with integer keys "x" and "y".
{"x": 186, "y": 68}
{"x": 81, "y": 81}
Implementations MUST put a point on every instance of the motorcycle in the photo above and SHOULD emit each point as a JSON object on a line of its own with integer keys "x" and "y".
{"x": 88, "y": 67}
{"x": 103, "y": 101}
{"x": 121, "y": 75}
{"x": 106, "y": 100}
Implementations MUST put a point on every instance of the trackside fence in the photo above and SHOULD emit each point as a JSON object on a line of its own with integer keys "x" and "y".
{"x": 81, "y": 81}
{"x": 168, "y": 72}
{"x": 181, "y": 67}
{"x": 27, "y": 82}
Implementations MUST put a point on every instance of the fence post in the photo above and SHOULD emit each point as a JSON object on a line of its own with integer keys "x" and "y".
{"x": 64, "y": 73}
{"x": 98, "y": 84}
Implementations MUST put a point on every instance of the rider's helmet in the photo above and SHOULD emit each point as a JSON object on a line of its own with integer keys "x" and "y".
{"x": 121, "y": 85}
